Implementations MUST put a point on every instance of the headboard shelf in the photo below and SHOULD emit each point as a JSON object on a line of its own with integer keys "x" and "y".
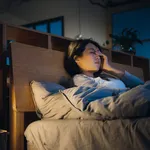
{"x": 60, "y": 44}
{"x": 27, "y": 36}
{"x": 121, "y": 58}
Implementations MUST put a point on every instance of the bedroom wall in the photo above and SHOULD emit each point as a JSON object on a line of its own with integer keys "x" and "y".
{"x": 11, "y": 19}
{"x": 93, "y": 18}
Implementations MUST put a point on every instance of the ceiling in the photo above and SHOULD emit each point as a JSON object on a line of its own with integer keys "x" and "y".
{"x": 6, "y": 4}
{"x": 114, "y": 3}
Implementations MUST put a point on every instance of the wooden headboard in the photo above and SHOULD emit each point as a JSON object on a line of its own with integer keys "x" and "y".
{"x": 34, "y": 63}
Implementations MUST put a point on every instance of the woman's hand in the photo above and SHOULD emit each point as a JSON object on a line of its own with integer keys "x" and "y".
{"x": 108, "y": 68}
{"x": 105, "y": 63}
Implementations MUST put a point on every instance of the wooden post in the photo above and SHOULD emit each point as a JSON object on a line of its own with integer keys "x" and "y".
{"x": 16, "y": 122}
{"x": 16, "y": 130}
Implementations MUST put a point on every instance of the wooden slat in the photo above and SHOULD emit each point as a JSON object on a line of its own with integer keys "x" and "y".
{"x": 144, "y": 64}
{"x": 60, "y": 44}
{"x": 16, "y": 137}
{"x": 26, "y": 36}
{"x": 2, "y": 65}
{"x": 133, "y": 70}
{"x": 1, "y": 89}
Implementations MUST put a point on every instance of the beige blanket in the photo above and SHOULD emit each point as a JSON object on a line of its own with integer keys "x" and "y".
{"x": 89, "y": 135}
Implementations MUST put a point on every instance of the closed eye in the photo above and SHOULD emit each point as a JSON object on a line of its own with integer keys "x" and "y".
{"x": 92, "y": 51}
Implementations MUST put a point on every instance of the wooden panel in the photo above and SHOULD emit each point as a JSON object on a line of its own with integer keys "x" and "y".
{"x": 42, "y": 64}
{"x": 33, "y": 63}
{"x": 27, "y": 36}
{"x": 3, "y": 43}
{"x": 133, "y": 70}
{"x": 1, "y": 89}
{"x": 60, "y": 44}
{"x": 2, "y": 48}
{"x": 142, "y": 63}
{"x": 16, "y": 138}
{"x": 121, "y": 58}
{"x": 107, "y": 52}
{"x": 1, "y": 73}
{"x": 1, "y": 38}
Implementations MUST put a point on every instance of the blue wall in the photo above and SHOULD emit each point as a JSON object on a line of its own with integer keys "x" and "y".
{"x": 138, "y": 19}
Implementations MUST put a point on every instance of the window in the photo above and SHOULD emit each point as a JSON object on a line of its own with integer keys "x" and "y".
{"x": 54, "y": 26}
{"x": 137, "y": 19}
{"x": 41, "y": 27}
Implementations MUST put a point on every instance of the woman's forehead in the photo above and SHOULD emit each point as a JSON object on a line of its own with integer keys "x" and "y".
{"x": 91, "y": 46}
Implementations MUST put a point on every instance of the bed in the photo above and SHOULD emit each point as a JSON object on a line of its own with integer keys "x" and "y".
{"x": 34, "y": 63}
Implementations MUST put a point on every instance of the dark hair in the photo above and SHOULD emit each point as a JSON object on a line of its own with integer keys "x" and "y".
{"x": 77, "y": 48}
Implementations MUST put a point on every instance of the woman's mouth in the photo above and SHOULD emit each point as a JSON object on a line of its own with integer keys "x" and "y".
{"x": 97, "y": 62}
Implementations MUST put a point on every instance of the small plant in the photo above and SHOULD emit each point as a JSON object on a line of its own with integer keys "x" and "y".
{"x": 126, "y": 40}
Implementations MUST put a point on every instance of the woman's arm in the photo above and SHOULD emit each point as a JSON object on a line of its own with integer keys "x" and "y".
{"x": 128, "y": 79}
{"x": 131, "y": 80}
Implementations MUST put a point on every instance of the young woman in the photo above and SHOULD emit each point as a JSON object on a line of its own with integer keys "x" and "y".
{"x": 84, "y": 62}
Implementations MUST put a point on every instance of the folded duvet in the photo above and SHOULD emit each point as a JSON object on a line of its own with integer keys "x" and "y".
{"x": 99, "y": 103}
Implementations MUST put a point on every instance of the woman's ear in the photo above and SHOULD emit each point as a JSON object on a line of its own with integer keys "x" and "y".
{"x": 76, "y": 58}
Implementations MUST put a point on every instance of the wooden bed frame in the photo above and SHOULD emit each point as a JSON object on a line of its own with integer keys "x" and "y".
{"x": 34, "y": 63}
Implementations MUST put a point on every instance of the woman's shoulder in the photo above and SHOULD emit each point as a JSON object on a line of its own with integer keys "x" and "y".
{"x": 82, "y": 80}
{"x": 81, "y": 77}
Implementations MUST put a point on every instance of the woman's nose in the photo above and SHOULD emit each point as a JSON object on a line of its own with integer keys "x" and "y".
{"x": 98, "y": 53}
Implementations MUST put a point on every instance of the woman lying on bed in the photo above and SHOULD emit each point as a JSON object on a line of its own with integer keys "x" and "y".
{"x": 84, "y": 61}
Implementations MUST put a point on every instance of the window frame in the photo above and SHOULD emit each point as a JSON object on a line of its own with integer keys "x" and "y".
{"x": 47, "y": 22}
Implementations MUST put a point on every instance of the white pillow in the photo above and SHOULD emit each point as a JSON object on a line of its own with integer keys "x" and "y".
{"x": 40, "y": 90}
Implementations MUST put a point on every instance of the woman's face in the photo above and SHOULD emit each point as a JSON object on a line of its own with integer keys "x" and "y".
{"x": 90, "y": 61}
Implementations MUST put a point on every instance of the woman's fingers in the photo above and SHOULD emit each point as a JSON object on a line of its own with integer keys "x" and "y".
{"x": 104, "y": 56}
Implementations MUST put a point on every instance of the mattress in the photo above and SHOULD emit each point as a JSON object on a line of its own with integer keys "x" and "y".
{"x": 127, "y": 134}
